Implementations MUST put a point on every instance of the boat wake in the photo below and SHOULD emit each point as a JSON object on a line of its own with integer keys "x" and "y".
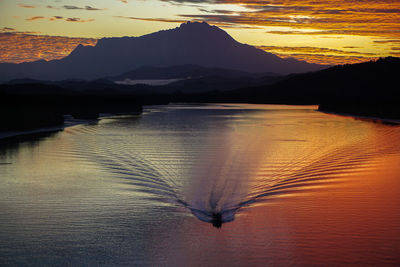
{"x": 233, "y": 172}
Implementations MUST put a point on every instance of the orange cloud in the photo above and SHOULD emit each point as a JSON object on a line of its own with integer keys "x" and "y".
{"x": 319, "y": 55}
{"x": 34, "y": 18}
{"x": 367, "y": 17}
{"x": 327, "y": 59}
{"x": 312, "y": 50}
{"x": 19, "y": 47}
{"x": 25, "y": 6}
{"x": 56, "y": 18}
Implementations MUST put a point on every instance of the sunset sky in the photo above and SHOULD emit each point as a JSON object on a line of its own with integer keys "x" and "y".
{"x": 325, "y": 31}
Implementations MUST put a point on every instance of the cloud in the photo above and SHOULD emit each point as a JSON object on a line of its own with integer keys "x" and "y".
{"x": 21, "y": 47}
{"x": 327, "y": 59}
{"x": 56, "y": 18}
{"x": 26, "y": 6}
{"x": 35, "y": 18}
{"x": 93, "y": 8}
{"x": 71, "y": 7}
{"x": 7, "y": 29}
{"x": 153, "y": 19}
{"x": 348, "y": 17}
{"x": 224, "y": 25}
{"x": 78, "y": 20}
{"x": 311, "y": 50}
{"x": 82, "y": 8}
{"x": 10, "y": 31}
{"x": 217, "y": 11}
{"x": 387, "y": 41}
{"x": 319, "y": 55}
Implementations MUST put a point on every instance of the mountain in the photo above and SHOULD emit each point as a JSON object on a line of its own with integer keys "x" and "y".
{"x": 191, "y": 43}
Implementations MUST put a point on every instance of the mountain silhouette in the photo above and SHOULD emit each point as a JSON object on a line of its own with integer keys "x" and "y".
{"x": 191, "y": 43}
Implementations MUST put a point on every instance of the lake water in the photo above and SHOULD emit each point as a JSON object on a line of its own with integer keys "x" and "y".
{"x": 290, "y": 185}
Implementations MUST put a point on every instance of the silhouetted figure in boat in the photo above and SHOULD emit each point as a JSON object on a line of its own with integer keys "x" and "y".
{"x": 216, "y": 220}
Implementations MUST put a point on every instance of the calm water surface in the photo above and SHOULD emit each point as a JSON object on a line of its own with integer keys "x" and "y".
{"x": 291, "y": 186}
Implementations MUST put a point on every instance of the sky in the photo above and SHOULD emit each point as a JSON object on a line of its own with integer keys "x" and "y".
{"x": 324, "y": 31}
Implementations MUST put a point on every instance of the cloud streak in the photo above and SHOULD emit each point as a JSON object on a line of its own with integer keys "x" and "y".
{"x": 58, "y": 18}
{"x": 35, "y": 18}
{"x": 82, "y": 8}
{"x": 26, "y": 6}
{"x": 78, "y": 20}
{"x": 153, "y": 19}
{"x": 312, "y": 50}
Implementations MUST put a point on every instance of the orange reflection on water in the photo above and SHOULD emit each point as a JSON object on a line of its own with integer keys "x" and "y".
{"x": 337, "y": 204}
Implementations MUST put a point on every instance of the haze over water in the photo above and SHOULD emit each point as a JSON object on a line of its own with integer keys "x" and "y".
{"x": 291, "y": 185}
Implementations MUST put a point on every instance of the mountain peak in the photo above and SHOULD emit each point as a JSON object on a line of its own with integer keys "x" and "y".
{"x": 212, "y": 33}
{"x": 196, "y": 24}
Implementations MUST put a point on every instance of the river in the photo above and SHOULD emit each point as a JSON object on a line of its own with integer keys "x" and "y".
{"x": 204, "y": 185}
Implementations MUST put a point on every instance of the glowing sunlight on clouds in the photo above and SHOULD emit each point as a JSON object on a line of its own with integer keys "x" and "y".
{"x": 328, "y": 32}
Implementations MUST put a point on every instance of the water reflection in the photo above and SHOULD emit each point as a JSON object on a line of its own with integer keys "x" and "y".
{"x": 220, "y": 180}
{"x": 222, "y": 160}
{"x": 11, "y": 145}
{"x": 298, "y": 187}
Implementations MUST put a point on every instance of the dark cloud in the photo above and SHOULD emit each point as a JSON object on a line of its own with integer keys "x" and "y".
{"x": 56, "y": 18}
{"x": 153, "y": 19}
{"x": 93, "y": 8}
{"x": 71, "y": 7}
{"x": 82, "y": 8}
{"x": 217, "y": 11}
{"x": 78, "y": 20}
{"x": 386, "y": 41}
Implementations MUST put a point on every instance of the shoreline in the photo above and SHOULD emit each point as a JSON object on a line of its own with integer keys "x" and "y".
{"x": 364, "y": 118}
{"x": 69, "y": 121}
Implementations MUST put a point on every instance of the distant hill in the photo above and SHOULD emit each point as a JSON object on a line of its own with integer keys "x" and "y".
{"x": 192, "y": 78}
{"x": 191, "y": 43}
{"x": 147, "y": 80}
{"x": 374, "y": 81}
{"x": 188, "y": 71}
{"x": 367, "y": 89}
